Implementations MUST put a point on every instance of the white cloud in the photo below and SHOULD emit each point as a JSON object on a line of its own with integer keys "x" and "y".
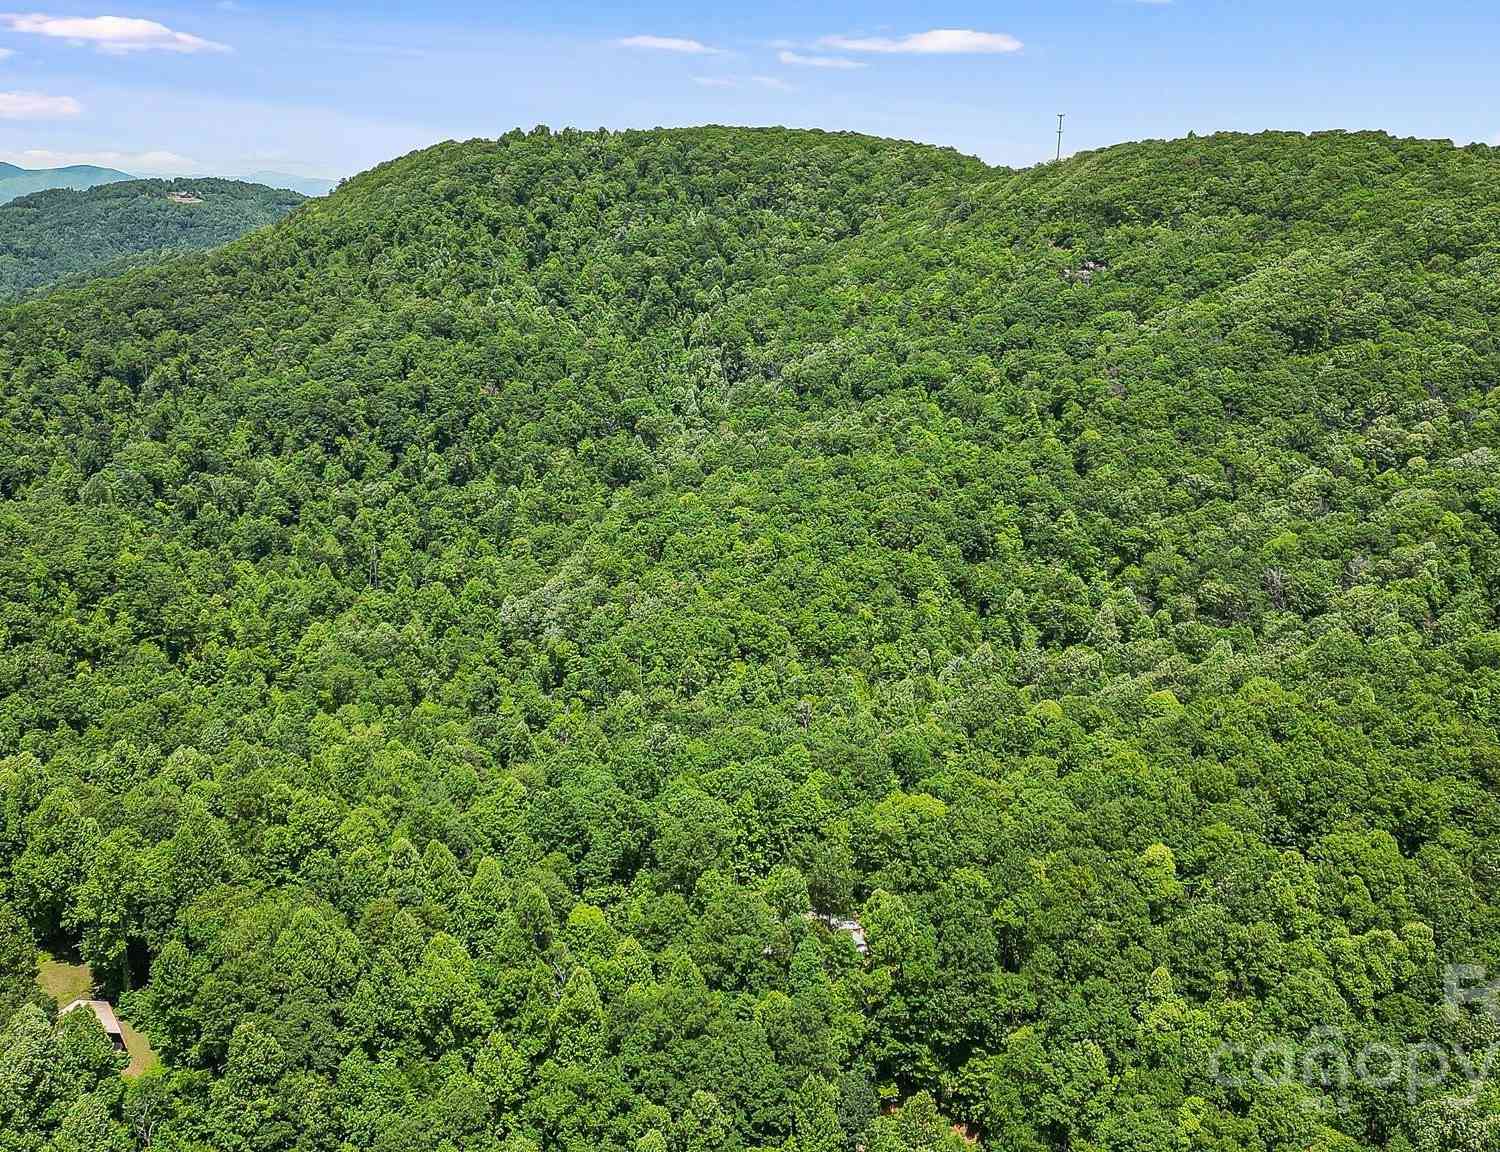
{"x": 154, "y": 162}
{"x": 115, "y": 35}
{"x": 796, "y": 58}
{"x": 37, "y": 106}
{"x": 937, "y": 42}
{"x": 774, "y": 83}
{"x": 7, "y": 53}
{"x": 671, "y": 44}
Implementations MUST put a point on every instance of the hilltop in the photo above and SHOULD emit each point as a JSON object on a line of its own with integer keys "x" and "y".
{"x": 58, "y": 235}
{"x": 739, "y": 639}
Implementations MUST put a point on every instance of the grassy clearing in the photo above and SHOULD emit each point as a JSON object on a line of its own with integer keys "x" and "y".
{"x": 142, "y": 1058}
{"x": 67, "y": 982}
{"x": 63, "y": 982}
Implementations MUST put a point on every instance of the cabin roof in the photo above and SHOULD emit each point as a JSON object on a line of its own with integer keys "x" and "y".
{"x": 102, "y": 1009}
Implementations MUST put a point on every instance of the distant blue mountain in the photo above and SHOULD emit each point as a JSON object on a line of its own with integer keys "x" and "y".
{"x": 307, "y": 185}
{"x": 16, "y": 181}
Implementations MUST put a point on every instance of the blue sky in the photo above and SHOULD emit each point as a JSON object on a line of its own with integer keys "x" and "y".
{"x": 329, "y": 88}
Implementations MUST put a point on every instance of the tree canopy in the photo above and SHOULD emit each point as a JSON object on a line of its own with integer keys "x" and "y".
{"x": 760, "y": 639}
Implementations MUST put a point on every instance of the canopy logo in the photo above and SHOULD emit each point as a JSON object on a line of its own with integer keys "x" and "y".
{"x": 1466, "y": 986}
{"x": 1331, "y": 1058}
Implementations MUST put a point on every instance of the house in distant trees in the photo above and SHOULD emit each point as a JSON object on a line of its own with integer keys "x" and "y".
{"x": 105, "y": 1013}
{"x": 847, "y": 924}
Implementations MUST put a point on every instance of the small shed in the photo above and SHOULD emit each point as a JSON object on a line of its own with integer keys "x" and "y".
{"x": 104, "y": 1011}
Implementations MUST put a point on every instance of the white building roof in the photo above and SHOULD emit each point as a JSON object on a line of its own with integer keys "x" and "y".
{"x": 103, "y": 1009}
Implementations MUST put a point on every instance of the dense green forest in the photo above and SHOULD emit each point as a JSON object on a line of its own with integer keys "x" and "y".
{"x": 480, "y": 655}
{"x": 60, "y": 235}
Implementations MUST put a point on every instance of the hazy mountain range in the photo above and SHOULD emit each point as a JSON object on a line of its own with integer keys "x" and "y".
{"x": 307, "y": 185}
{"x": 16, "y": 181}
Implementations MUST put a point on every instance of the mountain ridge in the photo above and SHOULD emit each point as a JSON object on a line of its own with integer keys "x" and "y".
{"x": 306, "y": 185}
{"x": 17, "y": 181}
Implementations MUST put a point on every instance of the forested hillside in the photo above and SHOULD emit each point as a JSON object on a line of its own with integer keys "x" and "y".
{"x": 50, "y": 237}
{"x": 455, "y": 638}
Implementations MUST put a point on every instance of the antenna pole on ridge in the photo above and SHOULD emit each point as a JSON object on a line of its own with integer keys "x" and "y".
{"x": 1060, "y": 116}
